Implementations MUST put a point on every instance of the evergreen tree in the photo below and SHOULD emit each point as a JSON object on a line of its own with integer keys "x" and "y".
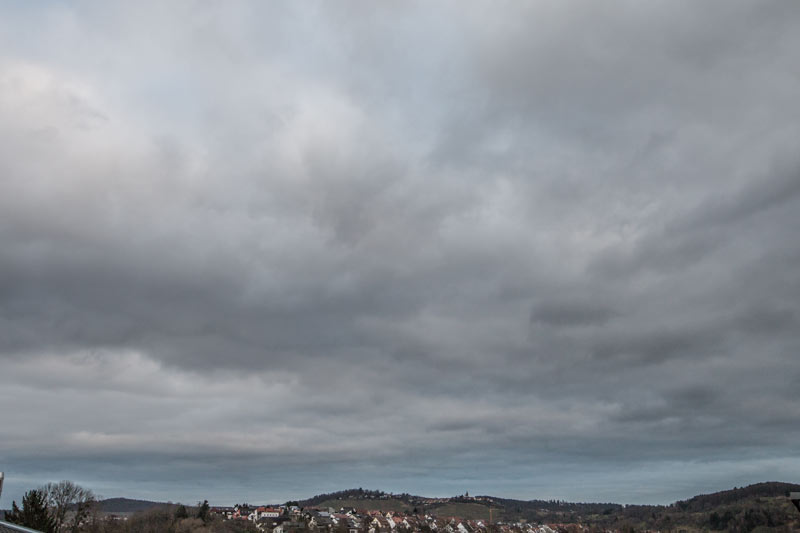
{"x": 34, "y": 514}
{"x": 202, "y": 510}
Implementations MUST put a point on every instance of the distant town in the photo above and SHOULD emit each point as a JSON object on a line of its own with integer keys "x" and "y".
{"x": 349, "y": 519}
{"x": 759, "y": 508}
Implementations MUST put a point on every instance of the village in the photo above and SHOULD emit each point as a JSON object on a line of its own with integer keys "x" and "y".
{"x": 294, "y": 519}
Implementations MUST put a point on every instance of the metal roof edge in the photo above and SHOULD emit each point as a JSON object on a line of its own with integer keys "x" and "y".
{"x": 18, "y": 528}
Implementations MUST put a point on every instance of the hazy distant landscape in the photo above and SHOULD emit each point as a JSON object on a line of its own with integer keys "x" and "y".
{"x": 761, "y": 507}
{"x": 766, "y": 502}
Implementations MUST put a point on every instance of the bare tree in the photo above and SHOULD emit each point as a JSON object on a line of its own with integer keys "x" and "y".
{"x": 68, "y": 500}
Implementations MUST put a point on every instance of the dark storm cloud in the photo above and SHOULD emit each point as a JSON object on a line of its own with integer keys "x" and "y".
{"x": 571, "y": 313}
{"x": 397, "y": 240}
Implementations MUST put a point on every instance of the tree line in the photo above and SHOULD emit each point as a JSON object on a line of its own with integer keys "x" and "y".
{"x": 54, "y": 508}
{"x": 66, "y": 507}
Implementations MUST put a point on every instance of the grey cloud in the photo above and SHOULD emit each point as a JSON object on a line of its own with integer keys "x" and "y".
{"x": 543, "y": 239}
{"x": 572, "y": 313}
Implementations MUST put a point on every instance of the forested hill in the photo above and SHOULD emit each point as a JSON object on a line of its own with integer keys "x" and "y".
{"x": 356, "y": 494}
{"x": 763, "y": 505}
{"x": 704, "y": 502}
{"x": 697, "y": 503}
{"x": 126, "y": 505}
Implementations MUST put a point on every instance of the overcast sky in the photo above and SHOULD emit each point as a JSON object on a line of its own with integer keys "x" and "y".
{"x": 258, "y": 251}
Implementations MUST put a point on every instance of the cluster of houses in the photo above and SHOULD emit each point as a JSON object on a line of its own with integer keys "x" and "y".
{"x": 292, "y": 519}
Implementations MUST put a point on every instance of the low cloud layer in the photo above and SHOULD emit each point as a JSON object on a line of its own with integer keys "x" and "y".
{"x": 536, "y": 250}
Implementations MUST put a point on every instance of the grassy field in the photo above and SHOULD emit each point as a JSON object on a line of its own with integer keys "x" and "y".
{"x": 467, "y": 511}
{"x": 369, "y": 505}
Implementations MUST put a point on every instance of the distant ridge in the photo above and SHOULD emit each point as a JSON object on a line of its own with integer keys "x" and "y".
{"x": 740, "y": 509}
{"x": 699, "y": 503}
{"x": 127, "y": 505}
{"x": 768, "y": 489}
{"x": 355, "y": 494}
